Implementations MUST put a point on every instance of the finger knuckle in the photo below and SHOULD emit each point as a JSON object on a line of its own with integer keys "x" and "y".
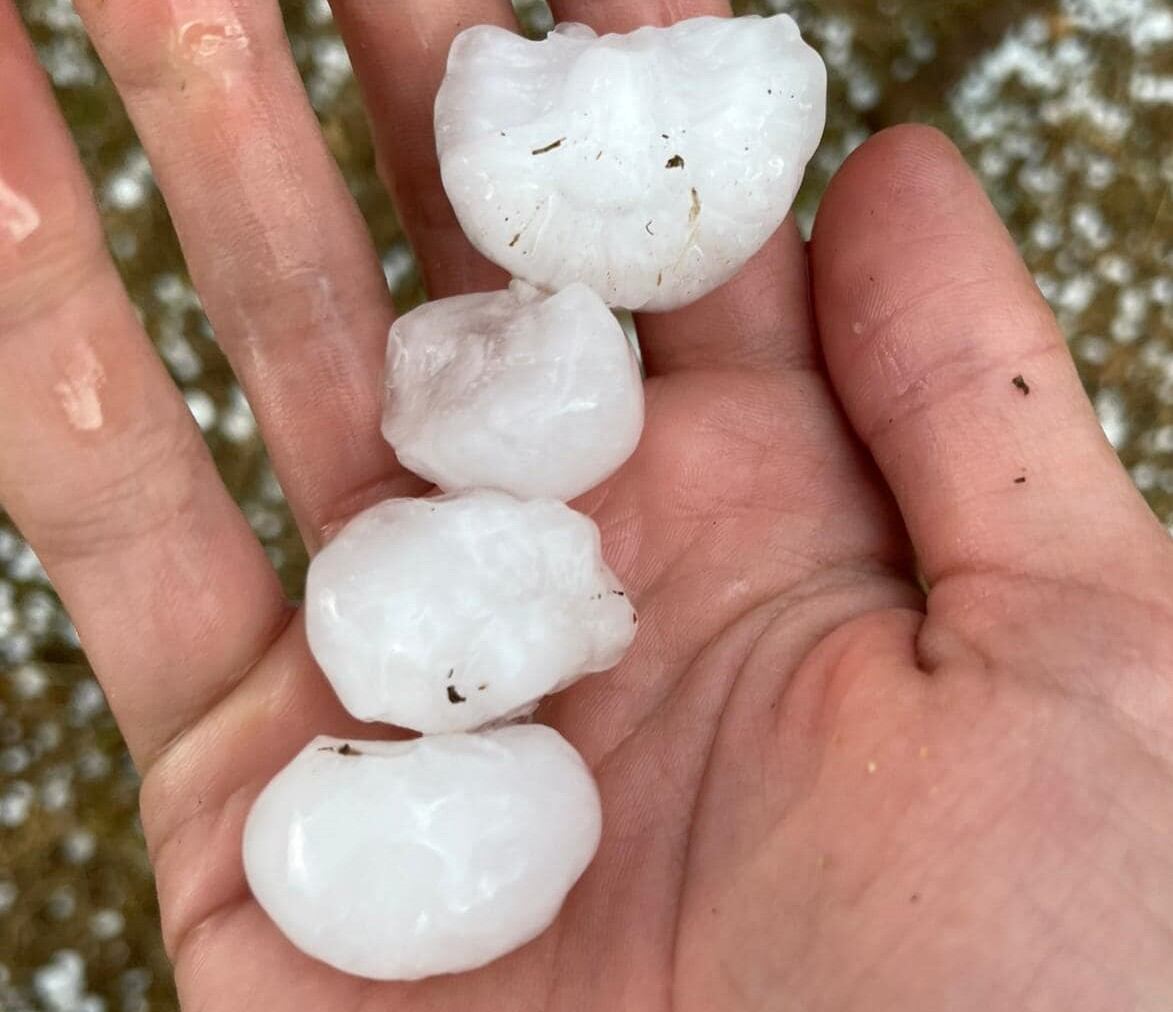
{"x": 143, "y": 485}
{"x": 56, "y": 249}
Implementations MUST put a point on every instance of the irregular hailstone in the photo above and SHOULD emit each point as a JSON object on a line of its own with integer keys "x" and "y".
{"x": 446, "y": 614}
{"x": 650, "y": 166}
{"x": 399, "y": 860}
{"x": 537, "y": 395}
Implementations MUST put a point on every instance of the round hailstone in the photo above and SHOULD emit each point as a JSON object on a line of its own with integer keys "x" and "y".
{"x": 400, "y": 860}
{"x": 537, "y": 395}
{"x": 446, "y": 614}
{"x": 650, "y": 166}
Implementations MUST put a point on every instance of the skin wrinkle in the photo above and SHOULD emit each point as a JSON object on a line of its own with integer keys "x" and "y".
{"x": 854, "y": 580}
{"x": 1080, "y": 851}
{"x": 176, "y": 927}
{"x": 266, "y": 167}
{"x": 324, "y": 320}
{"x": 1004, "y": 814}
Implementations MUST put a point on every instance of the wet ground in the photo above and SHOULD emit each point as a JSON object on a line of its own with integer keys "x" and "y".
{"x": 1065, "y": 108}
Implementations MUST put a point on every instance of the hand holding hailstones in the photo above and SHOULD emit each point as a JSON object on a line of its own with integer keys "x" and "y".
{"x": 640, "y": 171}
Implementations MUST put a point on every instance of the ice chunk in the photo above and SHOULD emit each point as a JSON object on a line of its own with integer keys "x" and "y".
{"x": 445, "y": 614}
{"x": 650, "y": 166}
{"x": 399, "y": 860}
{"x": 537, "y": 395}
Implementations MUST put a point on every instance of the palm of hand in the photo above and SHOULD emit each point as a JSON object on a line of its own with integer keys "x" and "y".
{"x": 821, "y": 790}
{"x": 805, "y": 781}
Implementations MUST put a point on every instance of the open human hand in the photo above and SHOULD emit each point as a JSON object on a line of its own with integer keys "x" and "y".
{"x": 824, "y": 788}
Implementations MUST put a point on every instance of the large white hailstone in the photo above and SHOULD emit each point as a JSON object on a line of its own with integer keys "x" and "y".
{"x": 446, "y": 614}
{"x": 539, "y": 395}
{"x": 400, "y": 860}
{"x": 650, "y": 166}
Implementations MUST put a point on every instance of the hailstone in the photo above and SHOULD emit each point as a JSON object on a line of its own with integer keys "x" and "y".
{"x": 649, "y": 166}
{"x": 400, "y": 860}
{"x": 449, "y": 613}
{"x": 539, "y": 395}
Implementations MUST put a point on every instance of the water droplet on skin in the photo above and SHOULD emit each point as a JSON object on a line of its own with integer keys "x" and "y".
{"x": 18, "y": 217}
{"x": 202, "y": 40}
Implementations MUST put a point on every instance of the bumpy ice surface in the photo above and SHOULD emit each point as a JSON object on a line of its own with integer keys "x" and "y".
{"x": 399, "y": 860}
{"x": 445, "y": 614}
{"x": 649, "y": 166}
{"x": 537, "y": 395}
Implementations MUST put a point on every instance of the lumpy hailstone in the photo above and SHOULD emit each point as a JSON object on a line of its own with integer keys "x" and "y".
{"x": 537, "y": 395}
{"x": 446, "y": 614}
{"x": 650, "y": 166}
{"x": 399, "y": 860}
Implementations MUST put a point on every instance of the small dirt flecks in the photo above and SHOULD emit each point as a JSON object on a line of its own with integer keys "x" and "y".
{"x": 665, "y": 136}
{"x": 454, "y": 696}
{"x": 514, "y": 241}
{"x": 598, "y": 156}
{"x": 648, "y": 227}
{"x": 1021, "y": 480}
{"x": 344, "y": 749}
{"x": 549, "y": 147}
{"x": 1021, "y": 384}
{"x": 659, "y": 278}
{"x": 482, "y": 686}
{"x": 675, "y": 162}
{"x": 694, "y": 212}
{"x": 451, "y": 672}
{"x": 619, "y": 593}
